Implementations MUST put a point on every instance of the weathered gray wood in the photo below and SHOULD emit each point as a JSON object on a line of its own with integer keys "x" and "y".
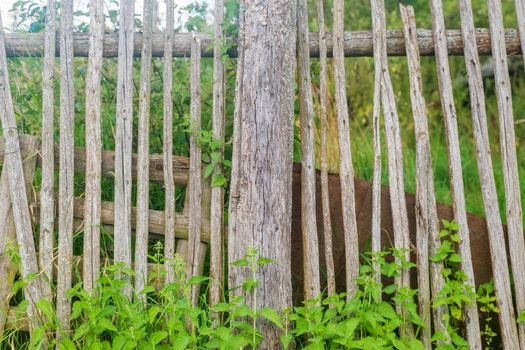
{"x": 454, "y": 161}
{"x": 141, "y": 242}
{"x": 261, "y": 182}
{"x": 29, "y": 148}
{"x": 346, "y": 169}
{"x": 429, "y": 278}
{"x": 376, "y": 121}
{"x": 520, "y": 12}
{"x": 195, "y": 182}
{"x": 169, "y": 187}
{"x": 217, "y": 193}
{"x": 123, "y": 136}
{"x": 34, "y": 290}
{"x": 47, "y": 188}
{"x": 312, "y": 279}
{"x": 357, "y": 43}
{"x": 395, "y": 156}
{"x": 66, "y": 166}
{"x": 323, "y": 114}
{"x": 512, "y": 192}
{"x": 94, "y": 149}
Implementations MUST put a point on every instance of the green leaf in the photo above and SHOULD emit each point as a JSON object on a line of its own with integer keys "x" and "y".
{"x": 157, "y": 337}
{"x": 272, "y": 316}
{"x": 250, "y": 284}
{"x": 197, "y": 280}
{"x": 455, "y": 258}
{"x": 240, "y": 263}
{"x": 264, "y": 261}
{"x": 218, "y": 181}
{"x": 106, "y": 324}
{"x": 208, "y": 170}
{"x": 390, "y": 289}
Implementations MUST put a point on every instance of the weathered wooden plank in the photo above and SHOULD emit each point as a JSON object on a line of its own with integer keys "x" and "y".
{"x": 454, "y": 161}
{"x": 180, "y": 164}
{"x": 429, "y": 278}
{"x": 94, "y": 150}
{"x": 312, "y": 278}
{"x": 141, "y": 230}
{"x": 395, "y": 157}
{"x": 357, "y": 43}
{"x": 169, "y": 186}
{"x": 376, "y": 121}
{"x": 217, "y": 193}
{"x": 29, "y": 148}
{"x": 195, "y": 178}
{"x": 520, "y": 12}
{"x": 260, "y": 190}
{"x": 323, "y": 114}
{"x": 512, "y": 191}
{"x": 124, "y": 136}
{"x": 24, "y": 233}
{"x": 346, "y": 169}
{"x": 66, "y": 168}
{"x": 47, "y": 187}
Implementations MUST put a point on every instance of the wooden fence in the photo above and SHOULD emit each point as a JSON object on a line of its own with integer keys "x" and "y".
{"x": 201, "y": 223}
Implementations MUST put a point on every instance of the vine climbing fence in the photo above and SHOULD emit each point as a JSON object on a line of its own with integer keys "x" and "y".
{"x": 30, "y": 218}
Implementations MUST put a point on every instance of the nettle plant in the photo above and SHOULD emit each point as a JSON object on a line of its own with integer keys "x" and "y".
{"x": 163, "y": 317}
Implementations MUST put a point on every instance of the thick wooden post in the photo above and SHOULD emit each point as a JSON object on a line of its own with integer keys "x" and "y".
{"x": 260, "y": 197}
{"x": 91, "y": 260}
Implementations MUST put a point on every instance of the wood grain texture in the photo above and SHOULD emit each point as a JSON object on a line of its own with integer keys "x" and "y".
{"x": 520, "y": 12}
{"x": 8, "y": 269}
{"x": 93, "y": 191}
{"x": 169, "y": 186}
{"x": 47, "y": 187}
{"x": 66, "y": 168}
{"x": 356, "y": 44}
{"x": 217, "y": 193}
{"x": 141, "y": 231}
{"x": 513, "y": 202}
{"x": 430, "y": 280}
{"x": 346, "y": 169}
{"x": 395, "y": 158}
{"x": 323, "y": 115}
{"x": 260, "y": 195}
{"x": 34, "y": 290}
{"x": 454, "y": 161}
{"x": 376, "y": 123}
{"x": 312, "y": 279}
{"x": 123, "y": 137}
{"x": 195, "y": 182}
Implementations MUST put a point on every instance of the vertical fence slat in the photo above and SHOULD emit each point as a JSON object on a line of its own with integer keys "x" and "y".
{"x": 512, "y": 189}
{"x": 13, "y": 164}
{"x": 141, "y": 229}
{"x": 312, "y": 286}
{"x": 91, "y": 262}
{"x": 8, "y": 269}
{"x": 346, "y": 170}
{"x": 520, "y": 12}
{"x": 47, "y": 188}
{"x": 124, "y": 135}
{"x": 427, "y": 222}
{"x": 195, "y": 178}
{"x": 395, "y": 152}
{"x": 325, "y": 195}
{"x": 456, "y": 176}
{"x": 376, "y": 116}
{"x": 169, "y": 187}
{"x": 217, "y": 193}
{"x": 66, "y": 172}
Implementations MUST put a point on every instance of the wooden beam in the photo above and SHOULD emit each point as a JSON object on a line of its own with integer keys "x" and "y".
{"x": 180, "y": 164}
{"x": 358, "y": 43}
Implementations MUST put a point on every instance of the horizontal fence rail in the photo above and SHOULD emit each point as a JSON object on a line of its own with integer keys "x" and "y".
{"x": 358, "y": 43}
